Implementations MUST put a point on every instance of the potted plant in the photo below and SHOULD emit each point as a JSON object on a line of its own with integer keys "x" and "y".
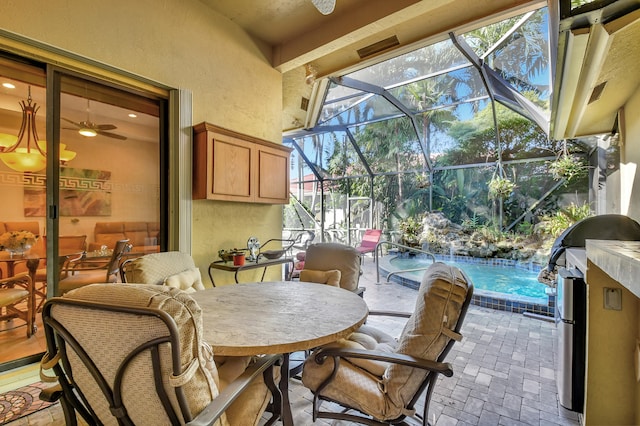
{"x": 500, "y": 187}
{"x": 567, "y": 167}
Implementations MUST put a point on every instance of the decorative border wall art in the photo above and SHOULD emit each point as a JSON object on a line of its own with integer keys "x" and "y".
{"x": 83, "y": 192}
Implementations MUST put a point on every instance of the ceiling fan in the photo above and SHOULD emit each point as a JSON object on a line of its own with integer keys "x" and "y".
{"x": 90, "y": 129}
{"x": 324, "y": 6}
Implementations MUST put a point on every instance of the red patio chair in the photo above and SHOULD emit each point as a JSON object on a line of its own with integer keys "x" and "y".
{"x": 369, "y": 241}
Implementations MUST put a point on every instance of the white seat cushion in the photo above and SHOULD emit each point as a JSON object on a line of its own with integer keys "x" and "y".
{"x": 189, "y": 280}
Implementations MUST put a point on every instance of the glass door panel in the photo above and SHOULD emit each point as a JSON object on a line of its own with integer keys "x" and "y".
{"x": 22, "y": 167}
{"x": 105, "y": 185}
{"x": 110, "y": 190}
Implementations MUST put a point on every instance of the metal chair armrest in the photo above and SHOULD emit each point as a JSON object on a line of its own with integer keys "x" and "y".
{"x": 394, "y": 358}
{"x": 391, "y": 314}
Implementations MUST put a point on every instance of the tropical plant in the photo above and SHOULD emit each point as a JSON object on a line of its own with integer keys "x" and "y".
{"x": 564, "y": 218}
{"x": 411, "y": 229}
{"x": 472, "y": 222}
{"x": 500, "y": 187}
{"x": 567, "y": 167}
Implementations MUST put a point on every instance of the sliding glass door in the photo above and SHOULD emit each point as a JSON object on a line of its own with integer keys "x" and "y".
{"x": 80, "y": 170}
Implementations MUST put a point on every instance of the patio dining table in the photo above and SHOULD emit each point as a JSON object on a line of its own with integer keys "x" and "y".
{"x": 278, "y": 318}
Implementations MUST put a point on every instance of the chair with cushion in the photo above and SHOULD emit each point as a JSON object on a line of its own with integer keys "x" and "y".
{"x": 335, "y": 256}
{"x": 172, "y": 268}
{"x": 178, "y": 270}
{"x": 134, "y": 354}
{"x": 380, "y": 378}
{"x": 78, "y": 273}
{"x": 17, "y": 300}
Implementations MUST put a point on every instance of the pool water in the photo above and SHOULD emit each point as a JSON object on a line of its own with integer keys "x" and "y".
{"x": 501, "y": 279}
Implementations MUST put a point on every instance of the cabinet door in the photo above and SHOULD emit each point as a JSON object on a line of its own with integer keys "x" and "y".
{"x": 232, "y": 169}
{"x": 273, "y": 176}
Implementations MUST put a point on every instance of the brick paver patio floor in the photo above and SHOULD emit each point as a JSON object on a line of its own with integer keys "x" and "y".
{"x": 503, "y": 369}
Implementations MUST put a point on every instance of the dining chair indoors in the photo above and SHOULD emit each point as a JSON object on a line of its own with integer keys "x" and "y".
{"x": 78, "y": 273}
{"x": 68, "y": 245}
{"x": 16, "y": 300}
{"x": 140, "y": 359}
{"x": 378, "y": 379}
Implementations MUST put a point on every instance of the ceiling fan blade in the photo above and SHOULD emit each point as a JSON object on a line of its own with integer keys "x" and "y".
{"x": 324, "y": 6}
{"x": 104, "y": 127}
{"x": 111, "y": 135}
{"x": 72, "y": 122}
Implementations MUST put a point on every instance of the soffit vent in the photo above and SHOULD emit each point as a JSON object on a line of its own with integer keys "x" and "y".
{"x": 597, "y": 92}
{"x": 304, "y": 104}
{"x": 378, "y": 47}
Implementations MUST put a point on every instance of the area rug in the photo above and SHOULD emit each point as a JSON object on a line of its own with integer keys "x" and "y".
{"x": 21, "y": 402}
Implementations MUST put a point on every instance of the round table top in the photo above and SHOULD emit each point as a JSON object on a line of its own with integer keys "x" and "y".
{"x": 277, "y": 317}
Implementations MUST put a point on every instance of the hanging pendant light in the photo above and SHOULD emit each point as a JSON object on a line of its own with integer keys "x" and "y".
{"x": 30, "y": 156}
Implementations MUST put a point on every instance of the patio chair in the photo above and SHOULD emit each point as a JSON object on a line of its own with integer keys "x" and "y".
{"x": 323, "y": 257}
{"x": 369, "y": 241}
{"x": 304, "y": 239}
{"x": 178, "y": 270}
{"x": 78, "y": 273}
{"x": 17, "y": 300}
{"x": 381, "y": 378}
{"x": 140, "y": 359}
{"x": 172, "y": 268}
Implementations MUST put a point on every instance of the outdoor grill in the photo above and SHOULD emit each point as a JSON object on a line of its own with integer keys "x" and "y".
{"x": 568, "y": 256}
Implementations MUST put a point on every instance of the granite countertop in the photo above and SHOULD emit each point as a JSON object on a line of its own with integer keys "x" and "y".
{"x": 577, "y": 258}
{"x": 618, "y": 259}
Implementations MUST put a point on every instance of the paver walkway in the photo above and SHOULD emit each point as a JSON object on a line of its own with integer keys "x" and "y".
{"x": 503, "y": 369}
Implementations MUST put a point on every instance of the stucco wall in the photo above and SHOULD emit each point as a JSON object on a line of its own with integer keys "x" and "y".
{"x": 180, "y": 44}
{"x": 630, "y": 159}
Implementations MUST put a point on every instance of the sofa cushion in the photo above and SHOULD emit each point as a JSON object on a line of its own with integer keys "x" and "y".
{"x": 139, "y": 234}
{"x": 136, "y": 232}
{"x": 153, "y": 228}
{"x": 109, "y": 240}
{"x": 109, "y": 228}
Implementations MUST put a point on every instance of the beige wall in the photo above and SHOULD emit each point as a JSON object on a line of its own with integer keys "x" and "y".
{"x": 180, "y": 44}
{"x": 611, "y": 389}
{"x": 613, "y": 394}
{"x": 630, "y": 159}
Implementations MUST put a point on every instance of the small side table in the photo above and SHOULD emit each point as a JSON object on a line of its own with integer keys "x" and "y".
{"x": 260, "y": 263}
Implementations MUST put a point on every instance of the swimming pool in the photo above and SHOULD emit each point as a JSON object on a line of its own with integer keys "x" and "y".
{"x": 498, "y": 278}
{"x": 498, "y": 283}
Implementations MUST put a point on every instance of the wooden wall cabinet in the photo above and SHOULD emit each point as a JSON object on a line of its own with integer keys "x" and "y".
{"x": 230, "y": 166}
